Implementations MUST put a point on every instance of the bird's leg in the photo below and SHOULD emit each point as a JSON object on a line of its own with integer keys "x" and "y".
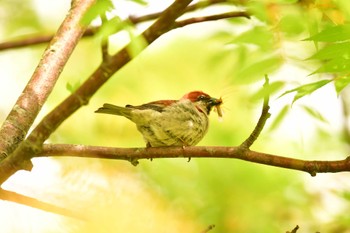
{"x": 183, "y": 149}
{"x": 148, "y": 145}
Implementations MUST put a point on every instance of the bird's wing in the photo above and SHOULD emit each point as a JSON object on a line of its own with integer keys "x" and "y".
{"x": 155, "y": 105}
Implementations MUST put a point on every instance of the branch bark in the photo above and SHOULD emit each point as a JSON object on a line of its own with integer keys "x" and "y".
{"x": 134, "y": 154}
{"x": 28, "y": 105}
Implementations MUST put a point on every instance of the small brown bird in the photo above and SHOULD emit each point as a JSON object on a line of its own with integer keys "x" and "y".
{"x": 181, "y": 122}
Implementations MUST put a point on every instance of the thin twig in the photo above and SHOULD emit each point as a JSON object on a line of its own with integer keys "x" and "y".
{"x": 295, "y": 229}
{"x": 190, "y": 8}
{"x": 135, "y": 154}
{"x": 262, "y": 120}
{"x": 209, "y": 228}
{"x": 133, "y": 19}
{"x": 104, "y": 41}
{"x": 30, "y": 41}
{"x": 227, "y": 15}
{"x": 35, "y": 203}
{"x": 40, "y": 39}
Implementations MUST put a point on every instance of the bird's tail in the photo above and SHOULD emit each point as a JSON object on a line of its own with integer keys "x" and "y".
{"x": 114, "y": 110}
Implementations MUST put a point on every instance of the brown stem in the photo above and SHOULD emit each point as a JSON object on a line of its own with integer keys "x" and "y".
{"x": 226, "y": 15}
{"x": 192, "y": 7}
{"x": 34, "y": 40}
{"x": 134, "y": 154}
{"x": 262, "y": 120}
{"x": 28, "y": 105}
{"x": 104, "y": 41}
{"x": 295, "y": 229}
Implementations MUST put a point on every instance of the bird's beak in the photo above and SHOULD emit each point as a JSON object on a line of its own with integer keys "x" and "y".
{"x": 217, "y": 104}
{"x": 215, "y": 101}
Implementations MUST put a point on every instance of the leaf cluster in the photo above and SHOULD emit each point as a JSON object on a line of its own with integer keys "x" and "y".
{"x": 333, "y": 54}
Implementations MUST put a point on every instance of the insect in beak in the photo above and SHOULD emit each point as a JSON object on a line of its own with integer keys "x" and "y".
{"x": 217, "y": 104}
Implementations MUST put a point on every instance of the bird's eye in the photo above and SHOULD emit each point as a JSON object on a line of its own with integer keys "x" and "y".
{"x": 201, "y": 97}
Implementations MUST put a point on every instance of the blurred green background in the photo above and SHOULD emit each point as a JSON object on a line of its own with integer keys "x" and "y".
{"x": 225, "y": 58}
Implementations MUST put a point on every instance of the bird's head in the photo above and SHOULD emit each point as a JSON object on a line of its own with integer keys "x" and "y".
{"x": 204, "y": 102}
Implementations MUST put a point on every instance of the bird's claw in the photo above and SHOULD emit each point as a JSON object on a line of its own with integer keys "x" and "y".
{"x": 134, "y": 161}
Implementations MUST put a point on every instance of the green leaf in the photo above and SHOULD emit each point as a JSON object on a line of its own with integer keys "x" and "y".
{"x": 258, "y": 9}
{"x": 111, "y": 26}
{"x": 100, "y": 7}
{"x": 333, "y": 34}
{"x": 140, "y": 2}
{"x": 72, "y": 87}
{"x": 269, "y": 90}
{"x": 335, "y": 65}
{"x": 345, "y": 194}
{"x": 341, "y": 82}
{"x": 337, "y": 50}
{"x": 255, "y": 68}
{"x": 137, "y": 42}
{"x": 306, "y": 89}
{"x": 291, "y": 25}
{"x": 279, "y": 118}
{"x": 314, "y": 113}
{"x": 259, "y": 36}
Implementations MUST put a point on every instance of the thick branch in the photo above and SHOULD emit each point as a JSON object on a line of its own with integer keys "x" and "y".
{"x": 135, "y": 154}
{"x": 28, "y": 105}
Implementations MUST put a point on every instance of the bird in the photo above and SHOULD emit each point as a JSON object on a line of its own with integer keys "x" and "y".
{"x": 182, "y": 122}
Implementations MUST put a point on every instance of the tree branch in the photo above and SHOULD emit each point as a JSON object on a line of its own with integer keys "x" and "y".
{"x": 192, "y": 7}
{"x": 104, "y": 41}
{"x": 134, "y": 154}
{"x": 28, "y": 105}
{"x": 35, "y": 203}
{"x": 227, "y": 15}
{"x": 262, "y": 120}
{"x": 91, "y": 31}
{"x": 209, "y": 228}
{"x": 295, "y": 229}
